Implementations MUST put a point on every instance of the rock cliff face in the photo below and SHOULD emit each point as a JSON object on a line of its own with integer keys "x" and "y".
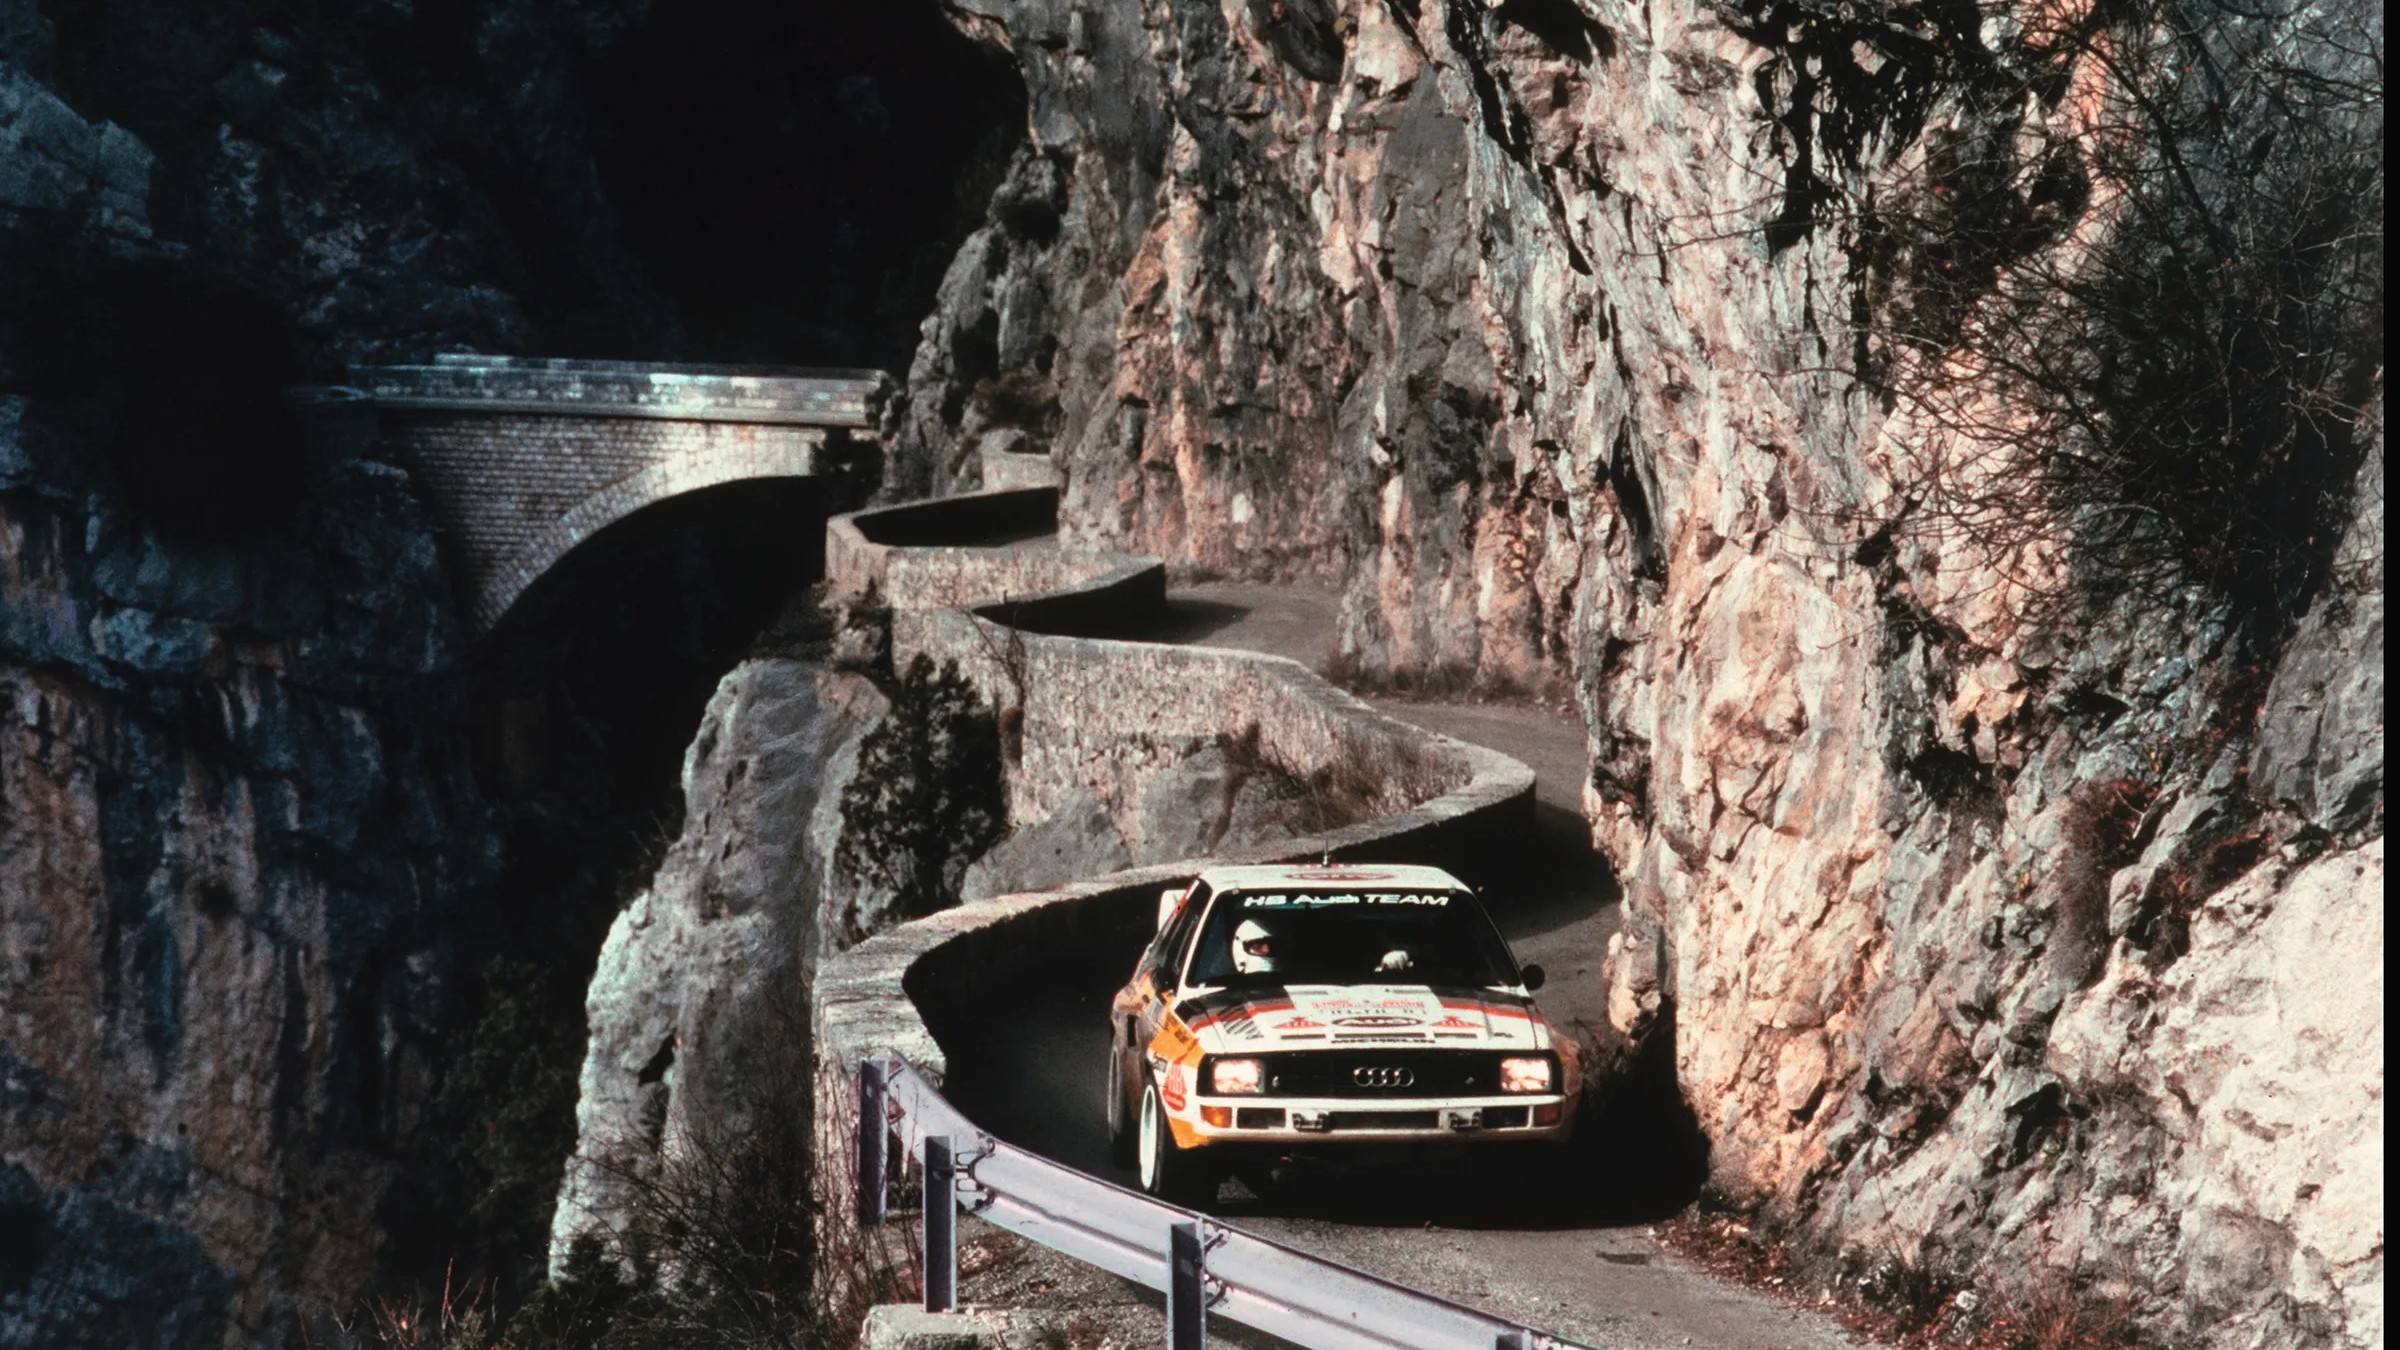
{"x": 1990, "y": 943}
{"x": 236, "y": 815}
{"x": 238, "y": 821}
{"x": 699, "y": 1009}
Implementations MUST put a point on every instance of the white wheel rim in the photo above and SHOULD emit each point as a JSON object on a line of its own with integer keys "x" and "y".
{"x": 1149, "y": 1143}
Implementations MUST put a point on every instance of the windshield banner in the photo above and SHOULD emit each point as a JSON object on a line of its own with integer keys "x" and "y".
{"x": 1330, "y": 899}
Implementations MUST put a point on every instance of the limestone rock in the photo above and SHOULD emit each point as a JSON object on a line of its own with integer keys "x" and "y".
{"x": 904, "y": 1326}
{"x": 1208, "y": 803}
{"x": 1421, "y": 298}
{"x": 2246, "y": 1082}
{"x": 699, "y": 1004}
{"x": 2320, "y": 735}
{"x": 1079, "y": 839}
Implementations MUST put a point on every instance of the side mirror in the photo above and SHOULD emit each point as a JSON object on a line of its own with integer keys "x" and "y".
{"x": 1531, "y": 977}
{"x": 1167, "y": 901}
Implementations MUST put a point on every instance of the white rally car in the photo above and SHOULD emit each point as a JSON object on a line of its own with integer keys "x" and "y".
{"x": 1299, "y": 1008}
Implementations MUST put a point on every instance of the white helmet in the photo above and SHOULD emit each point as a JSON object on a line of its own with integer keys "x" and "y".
{"x": 1253, "y": 950}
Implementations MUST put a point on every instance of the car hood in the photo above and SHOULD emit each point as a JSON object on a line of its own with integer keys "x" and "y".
{"x": 1322, "y": 1016}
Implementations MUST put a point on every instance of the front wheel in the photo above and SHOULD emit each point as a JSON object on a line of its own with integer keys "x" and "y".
{"x": 1167, "y": 1170}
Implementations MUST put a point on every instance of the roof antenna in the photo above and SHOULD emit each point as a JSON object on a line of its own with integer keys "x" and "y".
{"x": 1325, "y": 859}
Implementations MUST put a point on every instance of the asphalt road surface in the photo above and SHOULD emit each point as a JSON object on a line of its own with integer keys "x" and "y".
{"x": 1560, "y": 1239}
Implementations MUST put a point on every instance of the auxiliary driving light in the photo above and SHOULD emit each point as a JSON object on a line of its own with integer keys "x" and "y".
{"x": 1525, "y": 1074}
{"x": 1229, "y": 1077}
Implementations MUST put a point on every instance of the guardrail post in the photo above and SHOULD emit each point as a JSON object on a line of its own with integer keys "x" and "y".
{"x": 1187, "y": 1298}
{"x": 874, "y": 1128}
{"x": 941, "y": 1225}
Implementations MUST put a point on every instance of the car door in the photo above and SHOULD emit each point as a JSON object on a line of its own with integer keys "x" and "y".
{"x": 1154, "y": 983}
{"x": 1139, "y": 1009}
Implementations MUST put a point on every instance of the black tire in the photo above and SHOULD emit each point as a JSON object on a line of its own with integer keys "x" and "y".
{"x": 1120, "y": 1120}
{"x": 1164, "y": 1169}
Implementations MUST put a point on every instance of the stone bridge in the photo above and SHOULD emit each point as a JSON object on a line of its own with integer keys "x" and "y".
{"x": 524, "y": 459}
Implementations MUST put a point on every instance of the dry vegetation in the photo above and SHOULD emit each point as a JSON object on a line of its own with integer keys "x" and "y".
{"x": 1894, "y": 1302}
{"x": 719, "y": 1241}
{"x": 2133, "y": 302}
{"x": 927, "y": 797}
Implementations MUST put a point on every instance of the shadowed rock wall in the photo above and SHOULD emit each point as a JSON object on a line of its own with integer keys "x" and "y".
{"x": 236, "y": 814}
{"x": 240, "y": 842}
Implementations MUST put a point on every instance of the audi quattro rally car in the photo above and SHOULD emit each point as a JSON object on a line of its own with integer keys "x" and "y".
{"x": 1310, "y": 1007}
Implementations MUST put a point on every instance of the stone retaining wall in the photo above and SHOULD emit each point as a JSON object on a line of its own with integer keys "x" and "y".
{"x": 1096, "y": 712}
{"x": 930, "y": 556}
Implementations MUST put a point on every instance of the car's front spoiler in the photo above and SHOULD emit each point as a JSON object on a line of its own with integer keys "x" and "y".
{"x": 1368, "y": 1121}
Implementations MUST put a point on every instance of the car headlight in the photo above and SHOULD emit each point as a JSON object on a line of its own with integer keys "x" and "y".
{"x": 1527, "y": 1073}
{"x": 1230, "y": 1077}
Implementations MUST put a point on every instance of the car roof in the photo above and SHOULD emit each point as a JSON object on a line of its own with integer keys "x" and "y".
{"x": 1332, "y": 877}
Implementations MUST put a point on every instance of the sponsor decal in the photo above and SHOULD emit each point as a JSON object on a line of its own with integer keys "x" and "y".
{"x": 1173, "y": 1091}
{"x": 1234, "y": 1012}
{"x": 1174, "y": 1042}
{"x": 1331, "y": 874}
{"x": 1331, "y": 899}
{"x": 1299, "y": 1024}
{"x": 1381, "y": 1021}
{"x": 1454, "y": 1022}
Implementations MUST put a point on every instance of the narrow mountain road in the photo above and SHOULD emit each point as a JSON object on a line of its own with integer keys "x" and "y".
{"x": 1563, "y": 1242}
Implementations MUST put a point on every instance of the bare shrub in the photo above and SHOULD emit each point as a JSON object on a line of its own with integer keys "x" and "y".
{"x": 2118, "y": 263}
{"x": 1004, "y": 647}
{"x": 460, "y": 1319}
{"x": 1366, "y": 777}
{"x": 1360, "y": 779}
{"x": 2141, "y": 311}
{"x": 926, "y": 799}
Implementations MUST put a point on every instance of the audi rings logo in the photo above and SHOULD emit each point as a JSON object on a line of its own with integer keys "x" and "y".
{"x": 1379, "y": 1076}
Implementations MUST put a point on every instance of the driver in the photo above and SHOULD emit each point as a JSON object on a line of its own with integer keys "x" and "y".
{"x": 1253, "y": 948}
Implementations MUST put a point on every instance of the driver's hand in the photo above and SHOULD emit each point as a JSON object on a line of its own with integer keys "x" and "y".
{"x": 1395, "y": 960}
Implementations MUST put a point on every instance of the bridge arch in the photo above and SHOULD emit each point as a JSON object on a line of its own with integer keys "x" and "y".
{"x": 525, "y": 459}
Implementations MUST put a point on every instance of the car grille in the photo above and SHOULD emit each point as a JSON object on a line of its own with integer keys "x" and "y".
{"x": 1384, "y": 1073}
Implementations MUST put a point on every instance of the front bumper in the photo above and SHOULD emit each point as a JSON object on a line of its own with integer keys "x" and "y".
{"x": 1316, "y": 1121}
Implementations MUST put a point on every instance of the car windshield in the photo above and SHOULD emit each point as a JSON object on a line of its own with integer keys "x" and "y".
{"x": 1351, "y": 937}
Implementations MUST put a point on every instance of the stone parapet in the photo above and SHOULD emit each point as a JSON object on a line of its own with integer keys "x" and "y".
{"x": 1094, "y": 709}
{"x": 993, "y": 552}
{"x": 687, "y": 393}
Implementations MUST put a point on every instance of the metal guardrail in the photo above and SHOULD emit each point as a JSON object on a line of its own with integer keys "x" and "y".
{"x": 1205, "y": 1268}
